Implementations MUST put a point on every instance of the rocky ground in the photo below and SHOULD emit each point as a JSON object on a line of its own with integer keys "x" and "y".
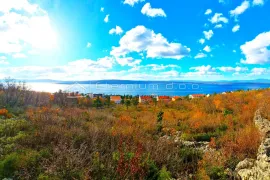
{"x": 258, "y": 169}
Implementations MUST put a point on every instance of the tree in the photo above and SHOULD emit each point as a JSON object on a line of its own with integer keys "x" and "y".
{"x": 155, "y": 101}
{"x": 60, "y": 98}
{"x": 122, "y": 101}
{"x": 135, "y": 101}
{"x": 108, "y": 101}
{"x": 97, "y": 103}
{"x": 127, "y": 103}
{"x": 159, "y": 121}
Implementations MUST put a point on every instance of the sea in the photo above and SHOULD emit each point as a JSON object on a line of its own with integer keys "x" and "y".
{"x": 147, "y": 88}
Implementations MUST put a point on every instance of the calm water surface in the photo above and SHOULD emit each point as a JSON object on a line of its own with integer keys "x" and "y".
{"x": 166, "y": 88}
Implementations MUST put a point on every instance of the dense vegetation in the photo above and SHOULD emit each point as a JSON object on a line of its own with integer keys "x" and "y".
{"x": 42, "y": 136}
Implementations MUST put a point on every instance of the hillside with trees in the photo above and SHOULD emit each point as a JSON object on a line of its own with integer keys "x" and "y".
{"x": 43, "y": 136}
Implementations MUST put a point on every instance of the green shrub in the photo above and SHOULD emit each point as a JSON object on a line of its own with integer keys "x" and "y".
{"x": 216, "y": 172}
{"x": 11, "y": 164}
{"x": 164, "y": 174}
{"x": 189, "y": 155}
{"x": 153, "y": 172}
{"x": 227, "y": 112}
{"x": 204, "y": 136}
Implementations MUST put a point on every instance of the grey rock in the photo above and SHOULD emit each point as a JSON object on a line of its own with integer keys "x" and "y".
{"x": 259, "y": 169}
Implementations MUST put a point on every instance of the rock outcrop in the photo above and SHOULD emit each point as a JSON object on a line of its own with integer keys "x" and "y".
{"x": 258, "y": 169}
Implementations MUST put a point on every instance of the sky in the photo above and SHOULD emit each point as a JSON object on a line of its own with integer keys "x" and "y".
{"x": 135, "y": 39}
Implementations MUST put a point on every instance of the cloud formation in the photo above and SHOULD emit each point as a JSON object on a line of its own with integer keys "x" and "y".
{"x": 258, "y": 2}
{"x": 236, "y": 28}
{"x": 208, "y": 34}
{"x": 218, "y": 18}
{"x": 132, "y": 2}
{"x": 208, "y": 11}
{"x": 152, "y": 12}
{"x": 24, "y": 24}
{"x": 200, "y": 55}
{"x": 106, "y": 19}
{"x": 257, "y": 51}
{"x": 202, "y": 41}
{"x": 207, "y": 49}
{"x": 117, "y": 30}
{"x": 140, "y": 39}
{"x": 240, "y": 9}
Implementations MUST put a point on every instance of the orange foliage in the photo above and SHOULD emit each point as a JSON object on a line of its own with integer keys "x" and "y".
{"x": 243, "y": 142}
{"x": 3, "y": 112}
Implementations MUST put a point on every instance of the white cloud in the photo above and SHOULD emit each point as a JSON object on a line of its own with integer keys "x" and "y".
{"x": 132, "y": 2}
{"x": 3, "y": 62}
{"x": 200, "y": 55}
{"x": 117, "y": 30}
{"x": 258, "y": 71}
{"x": 258, "y": 2}
{"x": 106, "y": 19}
{"x": 236, "y": 28}
{"x": 152, "y": 12}
{"x": 129, "y": 61}
{"x": 19, "y": 56}
{"x": 232, "y": 69}
{"x": 159, "y": 67}
{"x": 3, "y": 57}
{"x": 154, "y": 67}
{"x": 257, "y": 51}
{"x": 218, "y": 26}
{"x": 141, "y": 39}
{"x": 83, "y": 69}
{"x": 24, "y": 5}
{"x": 102, "y": 9}
{"x": 102, "y": 64}
{"x": 24, "y": 24}
{"x": 203, "y": 70}
{"x": 208, "y": 11}
{"x": 207, "y": 49}
{"x": 202, "y": 41}
{"x": 217, "y": 18}
{"x": 240, "y": 9}
{"x": 88, "y": 45}
{"x": 234, "y": 51}
{"x": 208, "y": 34}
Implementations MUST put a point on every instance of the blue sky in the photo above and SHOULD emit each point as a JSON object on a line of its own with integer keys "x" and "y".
{"x": 135, "y": 39}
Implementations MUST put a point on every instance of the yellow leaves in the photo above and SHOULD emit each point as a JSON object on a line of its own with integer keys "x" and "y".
{"x": 199, "y": 115}
{"x": 217, "y": 103}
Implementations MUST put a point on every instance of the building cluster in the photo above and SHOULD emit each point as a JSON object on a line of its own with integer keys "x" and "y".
{"x": 141, "y": 99}
{"x": 166, "y": 99}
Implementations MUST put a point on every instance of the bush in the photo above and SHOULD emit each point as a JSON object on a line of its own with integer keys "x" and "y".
{"x": 164, "y": 174}
{"x": 26, "y": 161}
{"x": 217, "y": 173}
{"x": 204, "y": 136}
{"x": 9, "y": 165}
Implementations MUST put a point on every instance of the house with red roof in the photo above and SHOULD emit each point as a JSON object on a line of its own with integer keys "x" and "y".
{"x": 165, "y": 99}
{"x": 145, "y": 99}
{"x": 116, "y": 99}
{"x": 193, "y": 96}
